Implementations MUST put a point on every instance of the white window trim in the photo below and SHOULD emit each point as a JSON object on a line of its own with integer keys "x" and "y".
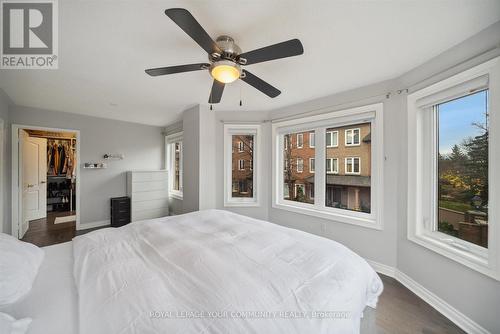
{"x": 353, "y": 172}
{"x": 240, "y": 163}
{"x": 310, "y": 164}
{"x": 333, "y": 171}
{"x": 239, "y": 129}
{"x": 370, "y": 113}
{"x": 312, "y": 135}
{"x": 302, "y": 140}
{"x": 330, "y": 145}
{"x": 359, "y": 137}
{"x": 241, "y": 147}
{"x": 302, "y": 169}
{"x": 170, "y": 140}
{"x": 421, "y": 186}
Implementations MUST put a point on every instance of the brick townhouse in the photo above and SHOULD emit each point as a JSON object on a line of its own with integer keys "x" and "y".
{"x": 348, "y": 167}
{"x": 242, "y": 166}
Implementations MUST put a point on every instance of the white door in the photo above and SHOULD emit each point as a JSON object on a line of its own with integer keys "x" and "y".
{"x": 34, "y": 179}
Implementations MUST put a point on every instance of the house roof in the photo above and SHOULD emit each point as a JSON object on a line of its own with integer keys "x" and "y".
{"x": 345, "y": 180}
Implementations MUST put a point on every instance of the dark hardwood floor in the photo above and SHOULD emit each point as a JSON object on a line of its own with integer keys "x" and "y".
{"x": 400, "y": 311}
{"x": 43, "y": 232}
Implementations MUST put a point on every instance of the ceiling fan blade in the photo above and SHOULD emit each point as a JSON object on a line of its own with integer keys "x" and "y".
{"x": 260, "y": 84}
{"x": 289, "y": 48}
{"x": 183, "y": 18}
{"x": 176, "y": 69}
{"x": 216, "y": 92}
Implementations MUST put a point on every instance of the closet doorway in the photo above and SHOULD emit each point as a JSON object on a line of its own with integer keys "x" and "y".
{"x": 46, "y": 186}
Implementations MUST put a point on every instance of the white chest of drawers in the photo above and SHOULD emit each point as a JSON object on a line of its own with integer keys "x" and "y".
{"x": 148, "y": 192}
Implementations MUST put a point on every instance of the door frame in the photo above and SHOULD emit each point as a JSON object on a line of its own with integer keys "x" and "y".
{"x": 17, "y": 174}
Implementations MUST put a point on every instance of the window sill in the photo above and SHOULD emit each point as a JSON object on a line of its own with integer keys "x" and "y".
{"x": 311, "y": 210}
{"x": 241, "y": 204}
{"x": 466, "y": 258}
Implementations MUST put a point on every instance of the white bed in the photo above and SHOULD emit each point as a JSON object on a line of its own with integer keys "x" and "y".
{"x": 208, "y": 261}
{"x": 52, "y": 302}
{"x": 207, "y": 271}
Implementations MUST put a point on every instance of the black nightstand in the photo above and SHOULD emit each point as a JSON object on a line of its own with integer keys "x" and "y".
{"x": 120, "y": 211}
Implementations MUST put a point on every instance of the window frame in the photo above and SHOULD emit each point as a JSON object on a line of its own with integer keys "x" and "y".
{"x": 330, "y": 145}
{"x": 312, "y": 161}
{"x": 241, "y": 164}
{"x": 332, "y": 170}
{"x": 353, "y": 172}
{"x": 422, "y": 168}
{"x": 319, "y": 123}
{"x": 242, "y": 129}
{"x": 301, "y": 170}
{"x": 302, "y": 140}
{"x": 170, "y": 141}
{"x": 312, "y": 135}
{"x": 346, "y": 136}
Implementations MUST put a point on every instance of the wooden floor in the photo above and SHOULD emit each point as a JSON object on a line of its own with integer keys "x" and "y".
{"x": 43, "y": 232}
{"x": 400, "y": 311}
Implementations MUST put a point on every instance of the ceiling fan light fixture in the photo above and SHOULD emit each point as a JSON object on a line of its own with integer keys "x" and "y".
{"x": 225, "y": 71}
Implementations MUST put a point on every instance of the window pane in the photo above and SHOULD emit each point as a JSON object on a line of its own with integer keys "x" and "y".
{"x": 335, "y": 139}
{"x": 463, "y": 168}
{"x": 177, "y": 165}
{"x": 242, "y": 160}
{"x": 297, "y": 174}
{"x": 344, "y": 189}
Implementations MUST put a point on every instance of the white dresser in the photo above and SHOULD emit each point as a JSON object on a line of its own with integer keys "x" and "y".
{"x": 148, "y": 192}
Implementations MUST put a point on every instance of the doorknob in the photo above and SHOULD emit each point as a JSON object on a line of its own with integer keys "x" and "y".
{"x": 31, "y": 185}
{"x": 43, "y": 182}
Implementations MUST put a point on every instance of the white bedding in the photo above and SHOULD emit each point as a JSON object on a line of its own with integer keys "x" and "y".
{"x": 169, "y": 275}
{"x": 52, "y": 302}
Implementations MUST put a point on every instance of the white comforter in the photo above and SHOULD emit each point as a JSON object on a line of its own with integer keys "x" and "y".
{"x": 218, "y": 272}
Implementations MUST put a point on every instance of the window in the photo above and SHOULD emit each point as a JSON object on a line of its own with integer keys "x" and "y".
{"x": 312, "y": 140}
{"x": 451, "y": 164}
{"x": 352, "y": 137}
{"x": 350, "y": 192}
{"x": 241, "y": 144}
{"x": 294, "y": 173}
{"x": 332, "y": 165}
{"x": 332, "y": 139}
{"x": 300, "y": 165}
{"x": 352, "y": 166}
{"x": 174, "y": 164}
{"x": 300, "y": 140}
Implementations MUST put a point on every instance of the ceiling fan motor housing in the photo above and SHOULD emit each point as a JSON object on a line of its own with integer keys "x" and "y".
{"x": 230, "y": 50}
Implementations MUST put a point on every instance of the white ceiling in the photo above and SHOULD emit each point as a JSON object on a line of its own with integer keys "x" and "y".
{"x": 106, "y": 45}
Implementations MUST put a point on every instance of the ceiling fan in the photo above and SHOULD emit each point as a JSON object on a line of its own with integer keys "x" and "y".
{"x": 225, "y": 57}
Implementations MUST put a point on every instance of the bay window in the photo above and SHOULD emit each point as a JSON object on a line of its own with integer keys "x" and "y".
{"x": 452, "y": 164}
{"x": 350, "y": 193}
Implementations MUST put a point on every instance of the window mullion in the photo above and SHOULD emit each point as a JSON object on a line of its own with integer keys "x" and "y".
{"x": 320, "y": 173}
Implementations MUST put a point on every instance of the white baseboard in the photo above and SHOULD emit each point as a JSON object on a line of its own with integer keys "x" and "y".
{"x": 85, "y": 226}
{"x": 457, "y": 317}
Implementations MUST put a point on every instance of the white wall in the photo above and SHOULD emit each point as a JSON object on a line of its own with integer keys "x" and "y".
{"x": 142, "y": 145}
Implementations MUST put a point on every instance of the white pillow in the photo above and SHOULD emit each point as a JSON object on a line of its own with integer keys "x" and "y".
{"x": 19, "y": 264}
{"x": 9, "y": 325}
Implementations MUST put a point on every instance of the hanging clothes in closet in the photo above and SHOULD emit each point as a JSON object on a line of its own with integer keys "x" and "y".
{"x": 60, "y": 158}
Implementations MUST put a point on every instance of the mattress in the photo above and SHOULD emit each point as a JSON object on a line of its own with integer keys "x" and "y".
{"x": 53, "y": 301}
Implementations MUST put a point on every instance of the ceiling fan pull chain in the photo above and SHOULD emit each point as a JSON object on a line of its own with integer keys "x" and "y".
{"x": 241, "y": 103}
